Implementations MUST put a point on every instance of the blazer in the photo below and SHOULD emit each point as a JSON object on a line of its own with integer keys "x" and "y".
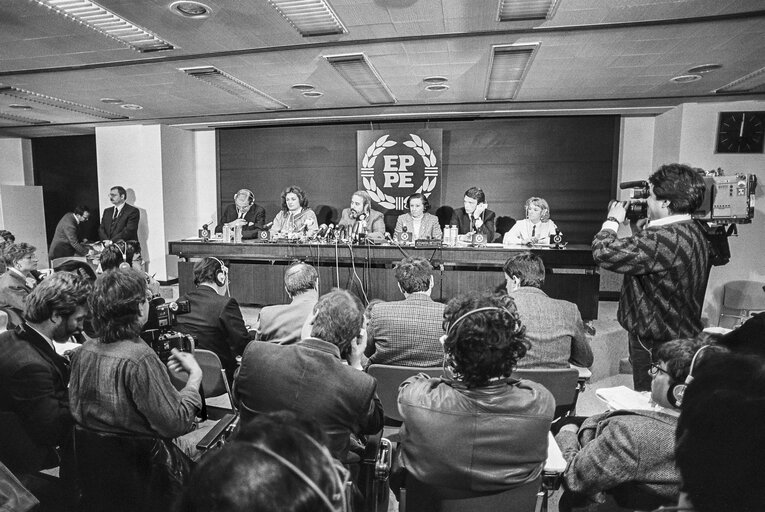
{"x": 124, "y": 227}
{"x": 554, "y": 328}
{"x": 429, "y": 227}
{"x": 255, "y": 217}
{"x": 375, "y": 223}
{"x": 283, "y": 323}
{"x": 464, "y": 223}
{"x": 66, "y": 240}
{"x": 33, "y": 380}
{"x": 13, "y": 290}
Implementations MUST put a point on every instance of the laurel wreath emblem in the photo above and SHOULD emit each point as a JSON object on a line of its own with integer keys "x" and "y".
{"x": 367, "y": 162}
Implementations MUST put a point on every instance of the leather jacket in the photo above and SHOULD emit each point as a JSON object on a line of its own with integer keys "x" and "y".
{"x": 483, "y": 439}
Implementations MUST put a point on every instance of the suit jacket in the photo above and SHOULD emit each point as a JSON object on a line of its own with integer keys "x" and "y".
{"x": 554, "y": 328}
{"x": 407, "y": 332}
{"x": 124, "y": 227}
{"x": 310, "y": 379}
{"x": 217, "y": 325}
{"x": 33, "y": 384}
{"x": 66, "y": 240}
{"x": 429, "y": 227}
{"x": 13, "y": 290}
{"x": 255, "y": 217}
{"x": 464, "y": 223}
{"x": 375, "y": 223}
{"x": 283, "y": 323}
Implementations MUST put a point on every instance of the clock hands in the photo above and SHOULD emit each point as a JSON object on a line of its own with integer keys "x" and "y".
{"x": 741, "y": 131}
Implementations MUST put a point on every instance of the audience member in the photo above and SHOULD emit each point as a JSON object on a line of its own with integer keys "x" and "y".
{"x": 33, "y": 377}
{"x": 554, "y": 328}
{"x": 665, "y": 266}
{"x": 406, "y": 332}
{"x": 135, "y": 259}
{"x": 482, "y": 431}
{"x": 622, "y": 447}
{"x": 215, "y": 319}
{"x": 361, "y": 218}
{"x": 113, "y": 257}
{"x": 283, "y": 323}
{"x": 245, "y": 213}
{"x": 118, "y": 383}
{"x": 6, "y": 239}
{"x": 18, "y": 280}
{"x": 295, "y": 219}
{"x": 120, "y": 221}
{"x": 66, "y": 238}
{"x": 278, "y": 462}
{"x": 720, "y": 442}
{"x": 475, "y": 216}
{"x": 311, "y": 377}
{"x": 418, "y": 222}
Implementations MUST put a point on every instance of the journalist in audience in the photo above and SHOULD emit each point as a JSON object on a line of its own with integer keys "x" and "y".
{"x": 20, "y": 277}
{"x": 482, "y": 430}
{"x": 536, "y": 228}
{"x": 418, "y": 222}
{"x": 613, "y": 451}
{"x": 118, "y": 383}
{"x": 406, "y": 332}
{"x": 554, "y": 328}
{"x": 283, "y": 323}
{"x": 278, "y": 462}
{"x": 134, "y": 257}
{"x": 295, "y": 219}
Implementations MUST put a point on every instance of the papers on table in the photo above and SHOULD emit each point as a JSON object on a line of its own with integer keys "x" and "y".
{"x": 622, "y": 397}
{"x": 65, "y": 347}
{"x": 555, "y": 462}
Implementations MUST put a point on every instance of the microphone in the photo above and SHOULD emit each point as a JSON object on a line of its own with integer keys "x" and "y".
{"x": 331, "y": 231}
{"x": 268, "y": 226}
{"x": 322, "y": 231}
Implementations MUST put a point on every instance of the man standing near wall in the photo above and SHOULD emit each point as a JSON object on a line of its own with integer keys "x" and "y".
{"x": 665, "y": 265}
{"x": 120, "y": 222}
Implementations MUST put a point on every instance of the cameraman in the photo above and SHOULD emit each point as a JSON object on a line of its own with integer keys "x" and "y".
{"x": 665, "y": 265}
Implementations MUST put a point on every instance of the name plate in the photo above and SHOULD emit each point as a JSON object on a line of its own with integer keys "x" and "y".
{"x": 427, "y": 243}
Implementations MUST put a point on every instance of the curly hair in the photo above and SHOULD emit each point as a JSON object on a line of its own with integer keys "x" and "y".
{"x": 413, "y": 274}
{"x": 303, "y": 200}
{"x": 486, "y": 344}
{"x": 682, "y": 186}
{"x": 15, "y": 252}
{"x": 62, "y": 292}
{"x": 538, "y": 201}
{"x": 339, "y": 318}
{"x": 115, "y": 305}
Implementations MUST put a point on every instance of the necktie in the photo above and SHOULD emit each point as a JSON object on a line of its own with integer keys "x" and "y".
{"x": 116, "y": 213}
{"x": 241, "y": 214}
{"x": 533, "y": 231}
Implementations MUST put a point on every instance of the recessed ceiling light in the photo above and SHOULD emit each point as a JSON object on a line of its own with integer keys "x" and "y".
{"x": 435, "y": 79}
{"x": 51, "y": 101}
{"x": 22, "y": 119}
{"x": 310, "y": 17}
{"x": 752, "y": 82}
{"x": 685, "y": 79}
{"x": 313, "y": 94}
{"x": 303, "y": 87}
{"x": 114, "y": 101}
{"x": 189, "y": 9}
{"x": 436, "y": 87}
{"x": 232, "y": 85}
{"x": 20, "y": 107}
{"x": 131, "y": 106}
{"x": 508, "y": 66}
{"x": 359, "y": 72}
{"x": 704, "y": 68}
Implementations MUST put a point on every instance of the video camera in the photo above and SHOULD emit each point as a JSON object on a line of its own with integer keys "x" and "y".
{"x": 158, "y": 332}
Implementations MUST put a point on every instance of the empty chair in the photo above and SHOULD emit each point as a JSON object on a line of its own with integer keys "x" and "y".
{"x": 741, "y": 299}
{"x": 563, "y": 383}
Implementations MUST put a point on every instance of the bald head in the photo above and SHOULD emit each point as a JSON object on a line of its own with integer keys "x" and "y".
{"x": 299, "y": 278}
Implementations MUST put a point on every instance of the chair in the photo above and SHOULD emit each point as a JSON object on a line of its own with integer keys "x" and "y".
{"x": 741, "y": 299}
{"x": 417, "y": 496}
{"x": 214, "y": 382}
{"x": 563, "y": 383}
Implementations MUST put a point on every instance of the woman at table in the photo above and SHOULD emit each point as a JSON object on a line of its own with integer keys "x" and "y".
{"x": 418, "y": 221}
{"x": 536, "y": 228}
{"x": 295, "y": 219}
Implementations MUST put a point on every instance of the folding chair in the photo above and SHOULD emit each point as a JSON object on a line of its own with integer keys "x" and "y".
{"x": 563, "y": 383}
{"x": 740, "y": 300}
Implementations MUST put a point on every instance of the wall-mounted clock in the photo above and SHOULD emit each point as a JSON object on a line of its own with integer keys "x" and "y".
{"x": 741, "y": 132}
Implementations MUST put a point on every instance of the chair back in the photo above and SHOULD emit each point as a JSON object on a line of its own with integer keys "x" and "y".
{"x": 563, "y": 383}
{"x": 740, "y": 299}
{"x": 389, "y": 378}
{"x": 418, "y": 496}
{"x": 214, "y": 381}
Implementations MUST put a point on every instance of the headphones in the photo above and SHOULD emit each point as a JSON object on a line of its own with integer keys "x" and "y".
{"x": 250, "y": 195}
{"x": 453, "y": 325}
{"x": 676, "y": 393}
{"x": 544, "y": 213}
{"x": 123, "y": 251}
{"x": 221, "y": 276}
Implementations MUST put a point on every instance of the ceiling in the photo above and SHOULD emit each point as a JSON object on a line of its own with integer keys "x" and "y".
{"x": 594, "y": 56}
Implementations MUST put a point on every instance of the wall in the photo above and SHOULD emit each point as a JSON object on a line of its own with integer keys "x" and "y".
{"x": 16, "y": 162}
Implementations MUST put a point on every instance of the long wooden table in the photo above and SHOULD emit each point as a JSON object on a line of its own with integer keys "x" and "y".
{"x": 257, "y": 269}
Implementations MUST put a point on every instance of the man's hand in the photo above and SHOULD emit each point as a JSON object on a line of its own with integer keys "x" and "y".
{"x": 479, "y": 209}
{"x": 618, "y": 211}
{"x": 357, "y": 349}
{"x": 237, "y": 222}
{"x": 183, "y": 361}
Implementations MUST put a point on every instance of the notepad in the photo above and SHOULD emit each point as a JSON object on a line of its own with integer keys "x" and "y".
{"x": 622, "y": 397}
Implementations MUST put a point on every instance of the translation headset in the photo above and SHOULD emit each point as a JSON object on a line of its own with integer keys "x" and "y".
{"x": 545, "y": 213}
{"x": 221, "y": 276}
{"x": 123, "y": 251}
{"x": 453, "y": 325}
{"x": 250, "y": 195}
{"x": 676, "y": 393}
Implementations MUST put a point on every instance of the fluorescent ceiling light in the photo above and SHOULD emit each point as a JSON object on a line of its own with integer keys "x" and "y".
{"x": 107, "y": 23}
{"x": 753, "y": 82}
{"x": 22, "y": 119}
{"x": 310, "y": 17}
{"x": 507, "y": 69}
{"x": 513, "y": 10}
{"x": 50, "y": 101}
{"x": 234, "y": 86}
{"x": 356, "y": 69}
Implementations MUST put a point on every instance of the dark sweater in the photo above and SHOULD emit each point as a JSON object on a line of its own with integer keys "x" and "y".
{"x": 665, "y": 277}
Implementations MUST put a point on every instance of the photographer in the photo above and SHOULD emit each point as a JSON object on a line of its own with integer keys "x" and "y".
{"x": 665, "y": 265}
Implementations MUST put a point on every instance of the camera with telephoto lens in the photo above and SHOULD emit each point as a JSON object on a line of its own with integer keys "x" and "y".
{"x": 158, "y": 332}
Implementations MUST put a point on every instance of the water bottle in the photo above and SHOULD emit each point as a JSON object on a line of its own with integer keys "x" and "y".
{"x": 226, "y": 234}
{"x": 447, "y": 235}
{"x": 238, "y": 234}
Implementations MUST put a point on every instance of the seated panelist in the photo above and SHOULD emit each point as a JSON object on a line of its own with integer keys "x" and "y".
{"x": 361, "y": 217}
{"x": 536, "y": 228}
{"x": 295, "y": 219}
{"x": 418, "y": 221}
{"x": 244, "y": 212}
{"x": 474, "y": 216}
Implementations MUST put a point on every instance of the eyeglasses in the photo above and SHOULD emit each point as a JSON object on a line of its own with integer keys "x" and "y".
{"x": 655, "y": 369}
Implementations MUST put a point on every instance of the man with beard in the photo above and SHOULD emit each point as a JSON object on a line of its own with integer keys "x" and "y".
{"x": 361, "y": 218}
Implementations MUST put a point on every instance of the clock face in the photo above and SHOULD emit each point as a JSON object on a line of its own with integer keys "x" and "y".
{"x": 741, "y": 132}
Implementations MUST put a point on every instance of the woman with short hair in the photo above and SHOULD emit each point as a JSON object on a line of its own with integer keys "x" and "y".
{"x": 418, "y": 221}
{"x": 536, "y": 228}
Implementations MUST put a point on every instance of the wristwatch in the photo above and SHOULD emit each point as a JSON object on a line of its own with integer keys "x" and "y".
{"x": 613, "y": 219}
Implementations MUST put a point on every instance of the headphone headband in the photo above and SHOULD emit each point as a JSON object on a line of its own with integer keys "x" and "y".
{"x": 453, "y": 325}
{"x": 678, "y": 391}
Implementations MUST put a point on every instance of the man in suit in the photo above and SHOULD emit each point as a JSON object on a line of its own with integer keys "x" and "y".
{"x": 33, "y": 377}
{"x": 407, "y": 332}
{"x": 475, "y": 216}
{"x": 120, "y": 222}
{"x": 554, "y": 328}
{"x": 215, "y": 320}
{"x": 20, "y": 277}
{"x": 283, "y": 323}
{"x": 312, "y": 379}
{"x": 245, "y": 213}
{"x": 66, "y": 239}
{"x": 360, "y": 217}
